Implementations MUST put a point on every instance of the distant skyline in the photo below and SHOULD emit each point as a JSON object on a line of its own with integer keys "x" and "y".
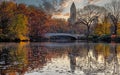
{"x": 66, "y": 5}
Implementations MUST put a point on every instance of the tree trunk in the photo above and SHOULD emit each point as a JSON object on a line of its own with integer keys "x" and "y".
{"x": 115, "y": 31}
{"x": 88, "y": 31}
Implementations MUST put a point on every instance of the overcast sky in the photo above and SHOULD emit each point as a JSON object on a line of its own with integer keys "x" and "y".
{"x": 66, "y": 4}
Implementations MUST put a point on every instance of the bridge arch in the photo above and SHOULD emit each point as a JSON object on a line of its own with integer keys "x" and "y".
{"x": 60, "y": 36}
{"x": 63, "y": 37}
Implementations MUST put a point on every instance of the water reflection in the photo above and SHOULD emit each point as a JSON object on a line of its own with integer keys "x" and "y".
{"x": 59, "y": 59}
{"x": 13, "y": 59}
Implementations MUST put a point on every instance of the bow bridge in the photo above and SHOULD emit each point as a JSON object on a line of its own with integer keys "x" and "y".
{"x": 62, "y": 36}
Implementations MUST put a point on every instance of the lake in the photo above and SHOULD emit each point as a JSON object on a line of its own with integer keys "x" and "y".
{"x": 52, "y": 58}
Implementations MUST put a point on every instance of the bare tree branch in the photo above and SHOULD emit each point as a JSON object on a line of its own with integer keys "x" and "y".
{"x": 88, "y": 16}
{"x": 114, "y": 13}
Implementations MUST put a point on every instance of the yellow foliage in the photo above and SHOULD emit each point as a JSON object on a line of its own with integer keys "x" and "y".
{"x": 19, "y": 27}
{"x": 118, "y": 29}
{"x": 103, "y": 28}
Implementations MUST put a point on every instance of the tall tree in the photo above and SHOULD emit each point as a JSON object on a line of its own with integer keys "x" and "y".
{"x": 103, "y": 28}
{"x": 19, "y": 27}
{"x": 114, "y": 14}
{"x": 12, "y": 21}
{"x": 7, "y": 10}
{"x": 37, "y": 21}
{"x": 88, "y": 16}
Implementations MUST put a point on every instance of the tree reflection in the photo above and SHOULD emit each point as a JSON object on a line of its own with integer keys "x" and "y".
{"x": 116, "y": 65}
{"x": 90, "y": 58}
{"x": 101, "y": 58}
{"x": 12, "y": 61}
{"x": 36, "y": 57}
{"x": 5, "y": 56}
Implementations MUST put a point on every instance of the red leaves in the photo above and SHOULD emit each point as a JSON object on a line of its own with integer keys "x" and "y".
{"x": 37, "y": 22}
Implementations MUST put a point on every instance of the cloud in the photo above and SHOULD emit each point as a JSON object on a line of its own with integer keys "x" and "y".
{"x": 93, "y": 0}
{"x": 99, "y": 2}
{"x": 59, "y": 13}
{"x": 67, "y": 14}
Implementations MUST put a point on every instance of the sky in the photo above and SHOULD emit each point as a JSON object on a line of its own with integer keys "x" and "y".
{"x": 79, "y": 4}
{"x": 65, "y": 5}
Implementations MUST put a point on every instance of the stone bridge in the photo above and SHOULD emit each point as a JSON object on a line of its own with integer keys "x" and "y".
{"x": 62, "y": 36}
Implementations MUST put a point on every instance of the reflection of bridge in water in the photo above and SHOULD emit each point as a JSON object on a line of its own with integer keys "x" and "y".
{"x": 63, "y": 36}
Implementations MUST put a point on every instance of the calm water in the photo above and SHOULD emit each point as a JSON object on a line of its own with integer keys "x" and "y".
{"x": 59, "y": 59}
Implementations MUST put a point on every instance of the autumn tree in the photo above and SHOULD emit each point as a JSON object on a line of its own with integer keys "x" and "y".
{"x": 22, "y": 9}
{"x": 103, "y": 28}
{"x": 37, "y": 22}
{"x": 19, "y": 27}
{"x": 114, "y": 14}
{"x": 12, "y": 22}
{"x": 59, "y": 26}
{"x": 7, "y": 10}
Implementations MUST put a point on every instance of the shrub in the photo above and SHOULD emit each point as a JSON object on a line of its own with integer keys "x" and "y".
{"x": 105, "y": 38}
